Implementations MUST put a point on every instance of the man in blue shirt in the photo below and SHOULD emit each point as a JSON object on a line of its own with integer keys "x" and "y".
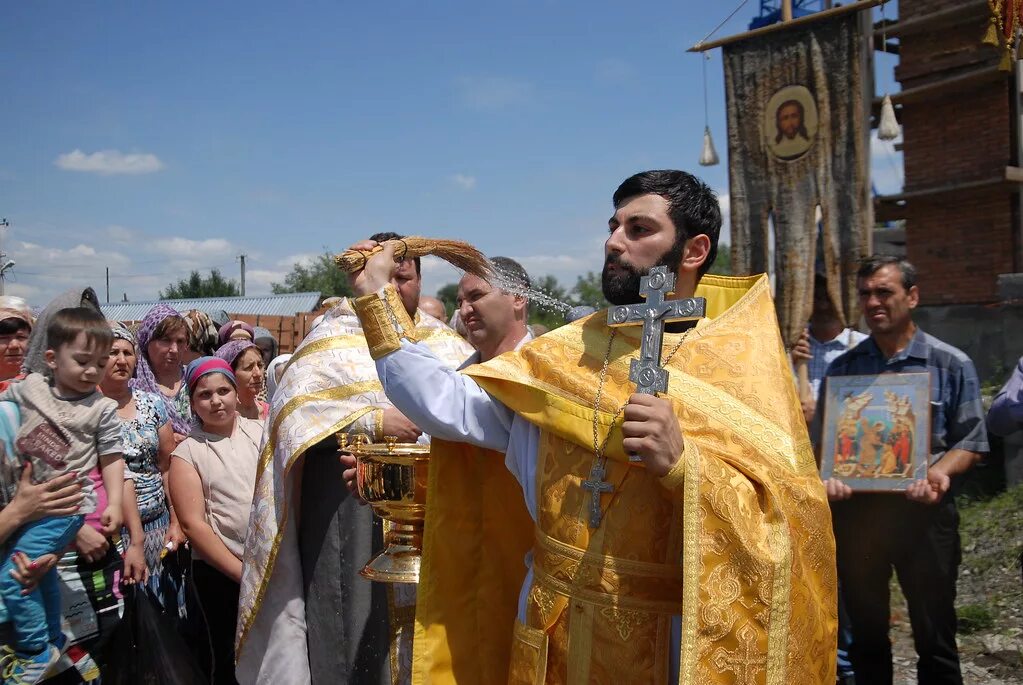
{"x": 918, "y": 533}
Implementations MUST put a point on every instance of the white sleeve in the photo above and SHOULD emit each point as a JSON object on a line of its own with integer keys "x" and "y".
{"x": 442, "y": 402}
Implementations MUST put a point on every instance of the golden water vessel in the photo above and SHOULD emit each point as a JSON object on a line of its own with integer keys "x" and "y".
{"x": 392, "y": 478}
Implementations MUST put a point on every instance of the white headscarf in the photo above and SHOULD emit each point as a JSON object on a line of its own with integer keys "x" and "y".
{"x": 271, "y": 374}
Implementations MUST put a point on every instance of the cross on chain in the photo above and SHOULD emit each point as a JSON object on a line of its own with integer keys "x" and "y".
{"x": 597, "y": 486}
{"x": 646, "y": 372}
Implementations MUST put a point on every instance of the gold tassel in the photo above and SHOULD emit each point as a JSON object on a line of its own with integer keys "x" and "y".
{"x": 459, "y": 254}
{"x": 991, "y": 37}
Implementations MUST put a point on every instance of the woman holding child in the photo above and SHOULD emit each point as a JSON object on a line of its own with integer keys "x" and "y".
{"x": 64, "y": 425}
{"x": 212, "y": 477}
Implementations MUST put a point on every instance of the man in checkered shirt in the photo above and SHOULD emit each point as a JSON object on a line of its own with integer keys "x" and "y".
{"x": 824, "y": 340}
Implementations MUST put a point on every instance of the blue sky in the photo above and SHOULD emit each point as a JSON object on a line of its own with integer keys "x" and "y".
{"x": 153, "y": 138}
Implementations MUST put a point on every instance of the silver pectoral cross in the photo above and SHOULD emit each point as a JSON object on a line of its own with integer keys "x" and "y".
{"x": 646, "y": 372}
{"x": 597, "y": 486}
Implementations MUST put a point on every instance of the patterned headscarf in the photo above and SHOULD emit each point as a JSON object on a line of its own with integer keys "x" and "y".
{"x": 144, "y": 378}
{"x": 231, "y": 326}
{"x": 202, "y": 332}
{"x": 230, "y": 351}
{"x": 122, "y": 332}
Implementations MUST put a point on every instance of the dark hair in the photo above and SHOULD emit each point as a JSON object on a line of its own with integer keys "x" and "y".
{"x": 802, "y": 120}
{"x": 66, "y": 324}
{"x": 511, "y": 272}
{"x": 12, "y": 325}
{"x": 874, "y": 263}
{"x": 390, "y": 235}
{"x": 169, "y": 325}
{"x": 692, "y": 206}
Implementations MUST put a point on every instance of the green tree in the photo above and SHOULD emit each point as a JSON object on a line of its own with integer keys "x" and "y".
{"x": 588, "y": 291}
{"x": 321, "y": 276}
{"x": 448, "y": 294}
{"x": 214, "y": 285}
{"x": 723, "y": 262}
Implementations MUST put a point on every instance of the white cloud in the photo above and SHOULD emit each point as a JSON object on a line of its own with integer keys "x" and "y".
{"x": 463, "y": 181}
{"x": 886, "y": 166}
{"x": 109, "y": 162}
{"x": 184, "y": 248}
{"x": 258, "y": 281}
{"x": 305, "y": 259}
{"x": 493, "y": 92}
{"x": 119, "y": 233}
{"x": 725, "y": 202}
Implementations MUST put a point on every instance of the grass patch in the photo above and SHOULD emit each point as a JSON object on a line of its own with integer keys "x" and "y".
{"x": 975, "y": 618}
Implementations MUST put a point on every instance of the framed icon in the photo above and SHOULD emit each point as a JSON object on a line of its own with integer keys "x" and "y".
{"x": 790, "y": 123}
{"x": 876, "y": 430}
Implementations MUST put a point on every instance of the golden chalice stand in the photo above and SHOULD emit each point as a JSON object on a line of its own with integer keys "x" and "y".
{"x": 392, "y": 478}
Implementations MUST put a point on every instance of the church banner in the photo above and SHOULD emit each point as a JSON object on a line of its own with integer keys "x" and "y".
{"x": 798, "y": 139}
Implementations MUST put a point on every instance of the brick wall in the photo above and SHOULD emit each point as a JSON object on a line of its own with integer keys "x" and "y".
{"x": 959, "y": 240}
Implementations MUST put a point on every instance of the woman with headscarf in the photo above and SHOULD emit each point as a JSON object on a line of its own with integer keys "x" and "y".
{"x": 202, "y": 335}
{"x": 266, "y": 343}
{"x": 161, "y": 339}
{"x": 273, "y": 374}
{"x": 92, "y": 572}
{"x": 213, "y": 476}
{"x": 246, "y": 362}
{"x": 148, "y": 439}
{"x": 15, "y": 329}
{"x": 235, "y": 330}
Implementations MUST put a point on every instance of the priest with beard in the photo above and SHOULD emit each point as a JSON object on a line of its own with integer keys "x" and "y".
{"x": 578, "y": 532}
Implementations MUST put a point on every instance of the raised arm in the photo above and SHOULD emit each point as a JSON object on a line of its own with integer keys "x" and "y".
{"x": 439, "y": 400}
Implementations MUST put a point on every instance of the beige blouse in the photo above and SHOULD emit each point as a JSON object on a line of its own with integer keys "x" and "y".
{"x": 227, "y": 469}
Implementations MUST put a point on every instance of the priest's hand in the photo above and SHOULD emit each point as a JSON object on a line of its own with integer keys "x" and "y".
{"x": 396, "y": 424}
{"x": 350, "y": 475}
{"x": 378, "y": 270}
{"x": 651, "y": 431}
{"x": 930, "y": 490}
{"x": 837, "y": 490}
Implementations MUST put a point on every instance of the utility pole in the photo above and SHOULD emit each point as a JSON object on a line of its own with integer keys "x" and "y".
{"x": 108, "y": 285}
{"x": 786, "y": 10}
{"x": 5, "y": 264}
{"x": 242, "y": 258}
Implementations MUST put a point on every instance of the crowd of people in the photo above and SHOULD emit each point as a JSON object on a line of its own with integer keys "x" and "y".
{"x": 131, "y": 457}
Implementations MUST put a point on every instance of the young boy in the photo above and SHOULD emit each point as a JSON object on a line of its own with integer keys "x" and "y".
{"x": 66, "y": 425}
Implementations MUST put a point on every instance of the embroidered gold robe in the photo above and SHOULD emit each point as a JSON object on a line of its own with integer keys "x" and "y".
{"x": 330, "y": 385}
{"x": 736, "y": 540}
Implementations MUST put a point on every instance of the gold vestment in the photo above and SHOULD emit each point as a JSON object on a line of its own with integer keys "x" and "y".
{"x": 736, "y": 539}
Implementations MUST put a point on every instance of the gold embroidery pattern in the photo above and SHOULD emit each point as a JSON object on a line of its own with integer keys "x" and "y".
{"x": 758, "y": 551}
{"x": 623, "y": 620}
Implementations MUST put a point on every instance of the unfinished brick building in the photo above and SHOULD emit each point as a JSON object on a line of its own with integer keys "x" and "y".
{"x": 960, "y": 117}
{"x": 961, "y": 150}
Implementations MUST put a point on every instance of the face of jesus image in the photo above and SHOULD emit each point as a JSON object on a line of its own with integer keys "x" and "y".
{"x": 789, "y": 120}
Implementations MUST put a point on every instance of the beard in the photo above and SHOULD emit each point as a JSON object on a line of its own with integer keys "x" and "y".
{"x": 623, "y": 287}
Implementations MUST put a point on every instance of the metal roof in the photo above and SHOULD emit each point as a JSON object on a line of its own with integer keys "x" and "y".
{"x": 288, "y": 304}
